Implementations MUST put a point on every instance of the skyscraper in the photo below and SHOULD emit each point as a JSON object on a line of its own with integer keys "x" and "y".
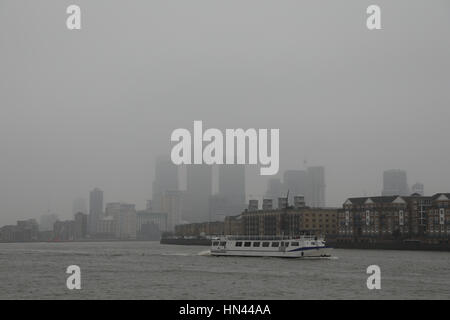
{"x": 81, "y": 225}
{"x": 296, "y": 182}
{"x": 95, "y": 209}
{"x": 198, "y": 193}
{"x": 166, "y": 179}
{"x": 274, "y": 189}
{"x": 172, "y": 206}
{"x": 232, "y": 188}
{"x": 395, "y": 183}
{"x": 315, "y": 195}
{"x": 418, "y": 188}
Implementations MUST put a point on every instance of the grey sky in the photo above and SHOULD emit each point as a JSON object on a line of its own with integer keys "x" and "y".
{"x": 92, "y": 108}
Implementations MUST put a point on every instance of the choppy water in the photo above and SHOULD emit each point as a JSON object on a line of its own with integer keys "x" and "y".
{"x": 148, "y": 270}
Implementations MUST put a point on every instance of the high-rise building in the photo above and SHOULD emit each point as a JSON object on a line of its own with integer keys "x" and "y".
{"x": 315, "y": 195}
{"x": 274, "y": 189}
{"x": 296, "y": 182}
{"x": 81, "y": 225}
{"x": 198, "y": 193}
{"x": 395, "y": 183}
{"x": 166, "y": 179}
{"x": 172, "y": 206}
{"x": 95, "y": 209}
{"x": 418, "y": 188}
{"x": 124, "y": 216}
{"x": 219, "y": 207}
{"x": 79, "y": 205}
{"x": 231, "y": 189}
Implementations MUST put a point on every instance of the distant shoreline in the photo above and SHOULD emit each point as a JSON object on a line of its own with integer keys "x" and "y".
{"x": 81, "y": 241}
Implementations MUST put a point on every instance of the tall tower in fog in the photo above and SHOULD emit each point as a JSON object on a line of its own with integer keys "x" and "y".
{"x": 315, "y": 196}
{"x": 296, "y": 182}
{"x": 418, "y": 188}
{"x": 95, "y": 209}
{"x": 198, "y": 193}
{"x": 395, "y": 183}
{"x": 166, "y": 179}
{"x": 274, "y": 189}
{"x": 232, "y": 188}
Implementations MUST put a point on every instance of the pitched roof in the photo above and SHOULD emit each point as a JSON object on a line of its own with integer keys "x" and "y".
{"x": 376, "y": 199}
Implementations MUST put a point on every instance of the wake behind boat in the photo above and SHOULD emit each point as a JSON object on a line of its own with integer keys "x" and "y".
{"x": 304, "y": 246}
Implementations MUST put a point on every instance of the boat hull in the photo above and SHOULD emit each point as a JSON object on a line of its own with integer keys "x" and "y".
{"x": 317, "y": 252}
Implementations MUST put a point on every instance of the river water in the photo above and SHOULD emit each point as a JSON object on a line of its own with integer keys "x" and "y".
{"x": 149, "y": 270}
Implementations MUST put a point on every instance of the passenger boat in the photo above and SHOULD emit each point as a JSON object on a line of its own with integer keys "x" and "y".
{"x": 304, "y": 246}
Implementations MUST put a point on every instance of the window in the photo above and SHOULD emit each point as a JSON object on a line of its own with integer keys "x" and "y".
{"x": 223, "y": 243}
{"x": 239, "y": 244}
{"x": 215, "y": 243}
{"x": 247, "y": 244}
{"x": 265, "y": 244}
{"x": 275, "y": 244}
{"x": 294, "y": 244}
{"x": 256, "y": 244}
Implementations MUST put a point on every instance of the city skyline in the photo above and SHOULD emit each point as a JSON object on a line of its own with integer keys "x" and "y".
{"x": 293, "y": 181}
{"x": 354, "y": 101}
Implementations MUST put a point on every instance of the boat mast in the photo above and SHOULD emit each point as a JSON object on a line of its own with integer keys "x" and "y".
{"x": 284, "y": 217}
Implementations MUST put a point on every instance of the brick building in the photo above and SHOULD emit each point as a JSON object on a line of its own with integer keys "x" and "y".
{"x": 290, "y": 221}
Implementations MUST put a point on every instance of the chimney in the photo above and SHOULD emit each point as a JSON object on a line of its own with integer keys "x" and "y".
{"x": 267, "y": 204}
{"x": 253, "y": 205}
{"x": 299, "y": 202}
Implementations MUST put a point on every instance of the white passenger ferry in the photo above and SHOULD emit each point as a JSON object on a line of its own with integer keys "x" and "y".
{"x": 305, "y": 246}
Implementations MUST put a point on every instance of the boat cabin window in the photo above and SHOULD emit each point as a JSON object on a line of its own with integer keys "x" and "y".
{"x": 275, "y": 244}
{"x": 247, "y": 244}
{"x": 294, "y": 244}
{"x": 266, "y": 244}
{"x": 223, "y": 243}
{"x": 215, "y": 243}
{"x": 238, "y": 244}
{"x": 256, "y": 244}
{"x": 313, "y": 243}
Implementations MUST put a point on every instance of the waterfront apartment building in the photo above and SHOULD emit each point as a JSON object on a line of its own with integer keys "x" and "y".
{"x": 285, "y": 219}
{"x": 438, "y": 216}
{"x": 390, "y": 217}
{"x": 290, "y": 221}
{"x": 146, "y": 217}
{"x": 24, "y": 230}
{"x": 64, "y": 230}
{"x": 106, "y": 228}
{"x": 233, "y": 225}
{"x": 124, "y": 216}
{"x": 374, "y": 217}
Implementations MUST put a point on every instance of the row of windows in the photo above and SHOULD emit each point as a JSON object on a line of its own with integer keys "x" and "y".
{"x": 266, "y": 244}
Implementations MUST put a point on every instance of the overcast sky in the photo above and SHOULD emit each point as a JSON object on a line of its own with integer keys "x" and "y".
{"x": 92, "y": 108}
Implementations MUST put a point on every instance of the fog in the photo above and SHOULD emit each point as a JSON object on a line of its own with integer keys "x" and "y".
{"x": 94, "y": 107}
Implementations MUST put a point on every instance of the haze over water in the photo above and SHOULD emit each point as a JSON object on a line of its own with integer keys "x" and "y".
{"x": 149, "y": 270}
